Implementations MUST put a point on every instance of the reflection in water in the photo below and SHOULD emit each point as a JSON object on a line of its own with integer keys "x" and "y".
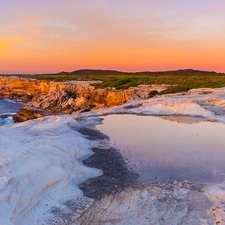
{"x": 161, "y": 149}
{"x": 184, "y": 119}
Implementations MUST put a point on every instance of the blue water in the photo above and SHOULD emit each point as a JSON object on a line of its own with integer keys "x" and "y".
{"x": 8, "y": 107}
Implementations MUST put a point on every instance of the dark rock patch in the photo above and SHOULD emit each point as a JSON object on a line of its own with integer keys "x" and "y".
{"x": 116, "y": 174}
{"x": 92, "y": 134}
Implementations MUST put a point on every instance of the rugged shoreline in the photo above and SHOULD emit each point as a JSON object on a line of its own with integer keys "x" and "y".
{"x": 156, "y": 203}
{"x": 43, "y": 98}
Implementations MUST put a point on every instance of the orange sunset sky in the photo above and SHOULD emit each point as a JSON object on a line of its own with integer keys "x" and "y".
{"x": 135, "y": 35}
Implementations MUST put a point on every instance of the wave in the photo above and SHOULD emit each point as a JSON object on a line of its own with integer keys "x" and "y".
{"x": 7, "y": 113}
{"x": 8, "y": 108}
{"x": 9, "y": 100}
{"x": 6, "y": 121}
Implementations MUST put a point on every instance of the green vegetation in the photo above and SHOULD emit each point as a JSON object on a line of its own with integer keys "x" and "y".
{"x": 89, "y": 105}
{"x": 71, "y": 94}
{"x": 153, "y": 93}
{"x": 184, "y": 79}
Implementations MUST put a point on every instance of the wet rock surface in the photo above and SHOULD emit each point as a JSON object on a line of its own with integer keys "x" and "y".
{"x": 92, "y": 134}
{"x": 116, "y": 174}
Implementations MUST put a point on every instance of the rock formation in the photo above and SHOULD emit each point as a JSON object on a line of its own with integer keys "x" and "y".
{"x": 41, "y": 97}
{"x": 44, "y": 97}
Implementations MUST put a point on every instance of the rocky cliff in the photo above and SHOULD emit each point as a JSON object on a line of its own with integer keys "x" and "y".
{"x": 44, "y": 97}
{"x": 48, "y": 97}
{"x": 24, "y": 89}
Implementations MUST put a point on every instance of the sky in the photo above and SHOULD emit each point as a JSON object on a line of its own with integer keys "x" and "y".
{"x": 46, "y": 36}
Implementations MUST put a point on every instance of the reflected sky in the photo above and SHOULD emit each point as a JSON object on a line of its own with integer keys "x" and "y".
{"x": 162, "y": 149}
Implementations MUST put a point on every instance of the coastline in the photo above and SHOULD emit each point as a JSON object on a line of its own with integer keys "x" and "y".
{"x": 75, "y": 136}
{"x": 43, "y": 98}
{"x": 100, "y": 194}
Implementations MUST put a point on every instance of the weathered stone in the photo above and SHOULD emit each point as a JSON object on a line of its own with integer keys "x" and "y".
{"x": 29, "y": 113}
{"x": 64, "y": 97}
{"x": 150, "y": 205}
{"x": 57, "y": 97}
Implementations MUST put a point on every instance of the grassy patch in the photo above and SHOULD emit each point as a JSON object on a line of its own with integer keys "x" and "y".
{"x": 184, "y": 79}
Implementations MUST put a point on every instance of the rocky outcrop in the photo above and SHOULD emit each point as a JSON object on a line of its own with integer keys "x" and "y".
{"x": 29, "y": 113}
{"x": 20, "y": 89}
{"x": 147, "y": 91}
{"x": 158, "y": 203}
{"x": 21, "y": 86}
{"x": 59, "y": 102}
{"x": 41, "y": 96}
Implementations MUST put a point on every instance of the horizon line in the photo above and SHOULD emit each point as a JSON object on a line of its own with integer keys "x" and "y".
{"x": 109, "y": 70}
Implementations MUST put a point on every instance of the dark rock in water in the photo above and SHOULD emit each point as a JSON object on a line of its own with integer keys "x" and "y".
{"x": 29, "y": 113}
{"x": 6, "y": 115}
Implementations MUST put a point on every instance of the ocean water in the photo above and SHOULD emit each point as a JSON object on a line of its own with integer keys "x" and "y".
{"x": 8, "y": 107}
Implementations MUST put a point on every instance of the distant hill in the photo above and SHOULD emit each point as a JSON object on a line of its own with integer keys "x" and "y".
{"x": 180, "y": 80}
{"x": 115, "y": 72}
{"x": 90, "y": 71}
{"x": 194, "y": 71}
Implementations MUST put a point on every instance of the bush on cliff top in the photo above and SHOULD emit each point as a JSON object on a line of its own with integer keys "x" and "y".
{"x": 185, "y": 79}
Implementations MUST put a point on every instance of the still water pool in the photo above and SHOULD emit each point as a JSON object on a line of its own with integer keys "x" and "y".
{"x": 162, "y": 149}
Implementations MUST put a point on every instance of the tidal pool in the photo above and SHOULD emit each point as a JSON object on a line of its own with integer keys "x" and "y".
{"x": 169, "y": 148}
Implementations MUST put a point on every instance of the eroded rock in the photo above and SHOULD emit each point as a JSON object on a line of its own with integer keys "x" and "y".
{"x": 58, "y": 97}
{"x": 29, "y": 113}
{"x": 150, "y": 205}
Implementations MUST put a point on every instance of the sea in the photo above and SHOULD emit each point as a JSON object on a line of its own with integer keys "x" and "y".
{"x": 7, "y": 109}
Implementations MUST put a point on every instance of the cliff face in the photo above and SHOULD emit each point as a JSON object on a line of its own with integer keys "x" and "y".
{"x": 57, "y": 97}
{"x": 48, "y": 97}
{"x": 14, "y": 87}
